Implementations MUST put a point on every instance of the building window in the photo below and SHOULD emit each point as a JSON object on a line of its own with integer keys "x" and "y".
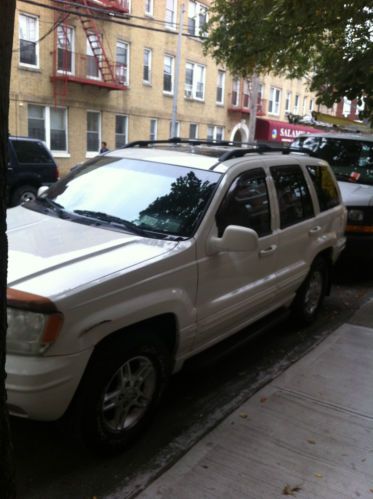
{"x": 235, "y": 92}
{"x": 147, "y": 71}
{"x": 175, "y": 133}
{"x": 121, "y": 130}
{"x": 168, "y": 74}
{"x": 296, "y": 104}
{"x": 197, "y": 18}
{"x": 194, "y": 81}
{"x": 311, "y": 105}
{"x": 246, "y": 94}
{"x": 149, "y": 7}
{"x": 48, "y": 124}
{"x": 171, "y": 14}
{"x": 93, "y": 70}
{"x": 215, "y": 132}
{"x": 122, "y": 62}
{"x": 65, "y": 49}
{"x": 304, "y": 109}
{"x": 153, "y": 129}
{"x": 28, "y": 40}
{"x": 93, "y": 131}
{"x": 220, "y": 83}
{"x": 274, "y": 101}
{"x": 193, "y": 131}
{"x": 288, "y": 102}
{"x": 346, "y": 110}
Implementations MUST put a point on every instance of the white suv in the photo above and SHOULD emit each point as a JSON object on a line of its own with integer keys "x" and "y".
{"x": 143, "y": 257}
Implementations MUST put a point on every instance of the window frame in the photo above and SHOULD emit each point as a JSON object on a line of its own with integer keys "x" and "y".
{"x": 62, "y": 153}
{"x": 196, "y": 130}
{"x": 171, "y": 23}
{"x": 288, "y": 101}
{"x": 72, "y": 30}
{"x": 124, "y": 73}
{"x": 236, "y": 86}
{"x": 171, "y": 74}
{"x": 36, "y": 41}
{"x": 125, "y": 116}
{"x": 92, "y": 153}
{"x": 274, "y": 101}
{"x": 89, "y": 53}
{"x": 196, "y": 18}
{"x": 215, "y": 129}
{"x": 149, "y": 66}
{"x": 296, "y": 104}
{"x": 153, "y": 121}
{"x": 220, "y": 85}
{"x": 191, "y": 93}
{"x": 149, "y": 8}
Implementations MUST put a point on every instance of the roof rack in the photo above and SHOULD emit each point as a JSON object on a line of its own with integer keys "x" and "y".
{"x": 241, "y": 148}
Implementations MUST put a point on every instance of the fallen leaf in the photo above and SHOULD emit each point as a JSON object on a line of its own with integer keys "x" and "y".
{"x": 290, "y": 490}
{"x": 318, "y": 475}
{"x": 311, "y": 442}
{"x": 243, "y": 415}
{"x": 263, "y": 399}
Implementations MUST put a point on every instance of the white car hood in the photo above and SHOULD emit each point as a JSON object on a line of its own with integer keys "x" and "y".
{"x": 58, "y": 255}
{"x": 356, "y": 194}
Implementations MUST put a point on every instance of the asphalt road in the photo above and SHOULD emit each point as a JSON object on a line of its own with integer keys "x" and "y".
{"x": 52, "y": 465}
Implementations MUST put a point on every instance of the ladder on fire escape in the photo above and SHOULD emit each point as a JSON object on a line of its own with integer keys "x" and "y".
{"x": 93, "y": 35}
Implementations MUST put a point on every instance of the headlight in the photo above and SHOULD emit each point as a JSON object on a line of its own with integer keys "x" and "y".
{"x": 30, "y": 331}
{"x": 355, "y": 215}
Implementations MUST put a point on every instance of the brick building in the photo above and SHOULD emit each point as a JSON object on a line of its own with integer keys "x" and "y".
{"x": 87, "y": 71}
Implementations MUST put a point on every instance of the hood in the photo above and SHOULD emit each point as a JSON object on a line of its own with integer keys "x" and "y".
{"x": 356, "y": 194}
{"x": 58, "y": 255}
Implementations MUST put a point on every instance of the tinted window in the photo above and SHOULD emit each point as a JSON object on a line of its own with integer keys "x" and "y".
{"x": 31, "y": 152}
{"x": 325, "y": 186}
{"x": 294, "y": 199}
{"x": 246, "y": 204}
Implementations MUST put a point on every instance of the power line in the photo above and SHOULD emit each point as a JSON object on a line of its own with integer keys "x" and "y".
{"x": 112, "y": 18}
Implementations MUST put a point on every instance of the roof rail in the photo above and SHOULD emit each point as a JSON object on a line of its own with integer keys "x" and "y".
{"x": 194, "y": 142}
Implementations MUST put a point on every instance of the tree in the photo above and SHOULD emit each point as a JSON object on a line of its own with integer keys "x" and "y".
{"x": 329, "y": 42}
{"x": 7, "y": 473}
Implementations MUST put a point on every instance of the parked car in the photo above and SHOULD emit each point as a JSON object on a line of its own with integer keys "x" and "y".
{"x": 30, "y": 165}
{"x": 351, "y": 158}
{"x": 144, "y": 257}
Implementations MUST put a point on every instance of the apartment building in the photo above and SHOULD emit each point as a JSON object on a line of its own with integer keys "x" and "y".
{"x": 87, "y": 71}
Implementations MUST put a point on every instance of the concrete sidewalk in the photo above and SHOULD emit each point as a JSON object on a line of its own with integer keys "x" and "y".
{"x": 307, "y": 434}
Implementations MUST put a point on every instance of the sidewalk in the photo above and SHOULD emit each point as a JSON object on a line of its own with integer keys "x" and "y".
{"x": 308, "y": 434}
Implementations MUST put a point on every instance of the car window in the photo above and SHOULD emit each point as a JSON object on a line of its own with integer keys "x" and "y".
{"x": 325, "y": 187}
{"x": 155, "y": 197}
{"x": 295, "y": 203}
{"x": 31, "y": 152}
{"x": 246, "y": 204}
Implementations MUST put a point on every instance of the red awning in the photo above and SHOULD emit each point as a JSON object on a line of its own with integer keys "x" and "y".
{"x": 280, "y": 131}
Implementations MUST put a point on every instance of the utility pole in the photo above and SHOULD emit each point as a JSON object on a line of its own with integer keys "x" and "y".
{"x": 177, "y": 71}
{"x": 253, "y": 106}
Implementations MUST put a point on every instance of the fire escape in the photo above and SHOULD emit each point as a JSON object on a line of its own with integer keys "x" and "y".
{"x": 93, "y": 67}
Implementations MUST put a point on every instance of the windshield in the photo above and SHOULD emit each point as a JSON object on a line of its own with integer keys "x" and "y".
{"x": 151, "y": 199}
{"x": 351, "y": 160}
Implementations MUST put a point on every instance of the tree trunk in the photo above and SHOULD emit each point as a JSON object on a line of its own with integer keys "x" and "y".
{"x": 7, "y": 469}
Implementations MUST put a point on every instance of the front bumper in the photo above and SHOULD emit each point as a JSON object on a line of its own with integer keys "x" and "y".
{"x": 42, "y": 388}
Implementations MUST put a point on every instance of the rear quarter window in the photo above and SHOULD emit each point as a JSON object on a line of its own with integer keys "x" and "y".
{"x": 31, "y": 152}
{"x": 325, "y": 187}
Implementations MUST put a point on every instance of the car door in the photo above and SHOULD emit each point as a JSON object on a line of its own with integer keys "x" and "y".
{"x": 235, "y": 288}
{"x": 297, "y": 227}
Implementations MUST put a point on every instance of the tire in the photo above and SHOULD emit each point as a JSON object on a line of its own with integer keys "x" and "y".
{"x": 311, "y": 294}
{"x": 23, "y": 194}
{"x": 120, "y": 391}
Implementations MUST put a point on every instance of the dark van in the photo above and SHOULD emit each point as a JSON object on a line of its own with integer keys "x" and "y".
{"x": 30, "y": 165}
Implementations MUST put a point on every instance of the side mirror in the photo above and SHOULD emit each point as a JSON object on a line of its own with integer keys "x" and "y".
{"x": 42, "y": 190}
{"x": 234, "y": 238}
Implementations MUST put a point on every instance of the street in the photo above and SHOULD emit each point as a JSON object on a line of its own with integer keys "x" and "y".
{"x": 51, "y": 464}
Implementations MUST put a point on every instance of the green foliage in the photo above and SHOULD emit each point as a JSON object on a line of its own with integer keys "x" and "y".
{"x": 329, "y": 42}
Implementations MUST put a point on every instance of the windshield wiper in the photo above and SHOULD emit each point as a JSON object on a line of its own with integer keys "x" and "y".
{"x": 50, "y": 205}
{"x": 112, "y": 221}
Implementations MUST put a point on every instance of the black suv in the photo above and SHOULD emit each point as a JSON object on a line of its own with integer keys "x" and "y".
{"x": 30, "y": 165}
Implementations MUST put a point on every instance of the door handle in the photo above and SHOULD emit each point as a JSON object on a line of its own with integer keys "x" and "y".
{"x": 314, "y": 230}
{"x": 268, "y": 251}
